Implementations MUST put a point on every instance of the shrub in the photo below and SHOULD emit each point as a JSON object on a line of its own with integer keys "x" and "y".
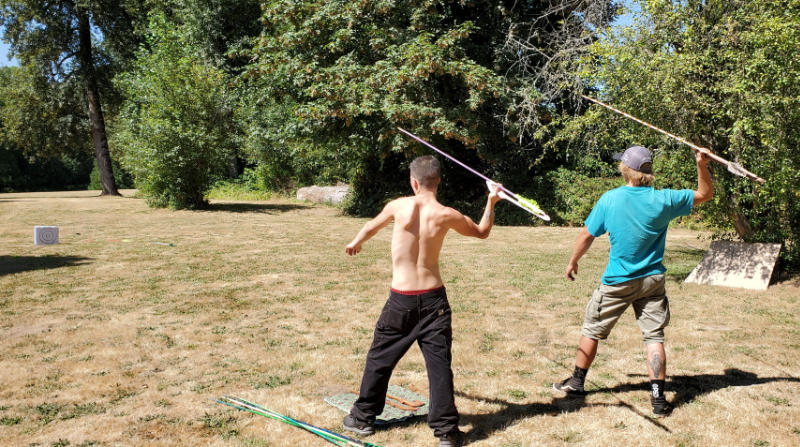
{"x": 574, "y": 194}
{"x": 175, "y": 130}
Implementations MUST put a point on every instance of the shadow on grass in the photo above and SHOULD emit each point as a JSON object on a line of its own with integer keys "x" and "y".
{"x": 15, "y": 264}
{"x": 268, "y": 208}
{"x": 678, "y": 275}
{"x": 689, "y": 388}
{"x": 25, "y": 197}
{"x": 688, "y": 251}
{"x": 485, "y": 425}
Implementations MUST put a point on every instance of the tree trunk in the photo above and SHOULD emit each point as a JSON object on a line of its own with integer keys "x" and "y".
{"x": 742, "y": 227}
{"x": 99, "y": 138}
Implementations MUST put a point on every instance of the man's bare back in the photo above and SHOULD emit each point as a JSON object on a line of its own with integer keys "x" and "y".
{"x": 419, "y": 229}
{"x": 420, "y": 225}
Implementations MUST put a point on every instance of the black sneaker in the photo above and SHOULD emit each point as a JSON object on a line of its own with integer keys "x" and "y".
{"x": 453, "y": 439}
{"x": 661, "y": 408}
{"x": 360, "y": 428}
{"x": 571, "y": 386}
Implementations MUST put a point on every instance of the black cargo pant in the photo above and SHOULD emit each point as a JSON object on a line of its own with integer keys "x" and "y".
{"x": 426, "y": 319}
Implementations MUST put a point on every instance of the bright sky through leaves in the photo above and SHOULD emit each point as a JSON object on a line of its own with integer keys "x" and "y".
{"x": 4, "y": 47}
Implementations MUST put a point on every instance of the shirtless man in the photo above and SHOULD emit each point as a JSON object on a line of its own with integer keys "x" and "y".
{"x": 417, "y": 309}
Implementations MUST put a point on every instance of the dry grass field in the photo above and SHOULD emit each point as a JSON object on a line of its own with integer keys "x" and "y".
{"x": 127, "y": 331}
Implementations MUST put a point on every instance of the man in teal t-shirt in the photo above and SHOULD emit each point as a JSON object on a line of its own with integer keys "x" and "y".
{"x": 636, "y": 218}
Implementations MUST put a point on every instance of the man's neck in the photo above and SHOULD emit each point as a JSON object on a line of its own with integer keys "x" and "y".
{"x": 427, "y": 194}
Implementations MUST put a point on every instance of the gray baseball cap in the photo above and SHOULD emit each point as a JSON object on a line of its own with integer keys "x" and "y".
{"x": 637, "y": 158}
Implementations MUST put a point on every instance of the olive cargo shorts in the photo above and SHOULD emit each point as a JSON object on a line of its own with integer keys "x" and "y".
{"x": 608, "y": 303}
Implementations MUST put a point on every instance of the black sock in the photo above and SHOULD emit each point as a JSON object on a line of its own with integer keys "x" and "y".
{"x": 580, "y": 374}
{"x": 657, "y": 388}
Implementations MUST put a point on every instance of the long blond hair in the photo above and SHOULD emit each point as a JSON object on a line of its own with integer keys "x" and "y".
{"x": 634, "y": 177}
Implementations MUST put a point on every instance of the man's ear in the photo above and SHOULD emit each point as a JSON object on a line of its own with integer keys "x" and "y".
{"x": 414, "y": 184}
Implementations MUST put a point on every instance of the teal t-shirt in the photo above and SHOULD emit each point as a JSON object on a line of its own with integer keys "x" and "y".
{"x": 636, "y": 220}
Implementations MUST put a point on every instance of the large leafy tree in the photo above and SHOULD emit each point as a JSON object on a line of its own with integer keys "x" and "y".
{"x": 70, "y": 47}
{"x": 40, "y": 116}
{"x": 726, "y": 75}
{"x": 331, "y": 81}
{"x": 219, "y": 28}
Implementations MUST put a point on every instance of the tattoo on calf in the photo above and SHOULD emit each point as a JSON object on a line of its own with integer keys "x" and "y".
{"x": 656, "y": 364}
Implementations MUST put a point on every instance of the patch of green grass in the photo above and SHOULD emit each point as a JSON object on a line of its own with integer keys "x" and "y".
{"x": 606, "y": 376}
{"x": 517, "y": 394}
{"x": 760, "y": 443}
{"x": 78, "y": 410}
{"x": 686, "y": 439}
{"x": 777, "y": 400}
{"x": 151, "y": 417}
{"x": 255, "y": 442}
{"x": 121, "y": 393}
{"x": 10, "y": 420}
{"x": 200, "y": 387}
{"x": 518, "y": 354}
{"x": 167, "y": 340}
{"x": 570, "y": 437}
{"x": 273, "y": 382}
{"x": 222, "y": 424}
{"x": 48, "y": 412}
{"x": 472, "y": 307}
{"x": 236, "y": 191}
{"x": 487, "y": 343}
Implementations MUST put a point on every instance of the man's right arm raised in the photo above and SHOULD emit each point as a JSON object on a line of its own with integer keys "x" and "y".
{"x": 705, "y": 188}
{"x": 371, "y": 228}
{"x": 467, "y": 227}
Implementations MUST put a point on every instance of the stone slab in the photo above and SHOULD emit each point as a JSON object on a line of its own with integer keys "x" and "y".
{"x": 323, "y": 194}
{"x": 736, "y": 264}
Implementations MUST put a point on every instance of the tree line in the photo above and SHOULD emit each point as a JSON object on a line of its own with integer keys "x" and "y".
{"x": 173, "y": 96}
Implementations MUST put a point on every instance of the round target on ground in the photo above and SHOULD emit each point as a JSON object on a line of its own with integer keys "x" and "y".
{"x": 45, "y": 235}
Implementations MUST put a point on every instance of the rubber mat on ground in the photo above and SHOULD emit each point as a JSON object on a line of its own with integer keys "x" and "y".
{"x": 401, "y": 404}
